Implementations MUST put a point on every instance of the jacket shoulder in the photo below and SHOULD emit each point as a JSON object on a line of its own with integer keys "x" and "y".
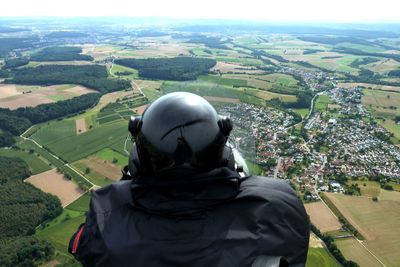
{"x": 268, "y": 184}
{"x": 111, "y": 197}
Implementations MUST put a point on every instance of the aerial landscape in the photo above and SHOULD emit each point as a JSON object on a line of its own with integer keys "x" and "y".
{"x": 318, "y": 107}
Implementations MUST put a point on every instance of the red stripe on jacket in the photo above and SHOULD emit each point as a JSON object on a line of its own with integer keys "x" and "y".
{"x": 76, "y": 240}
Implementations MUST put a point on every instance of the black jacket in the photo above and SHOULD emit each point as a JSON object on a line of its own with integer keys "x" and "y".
{"x": 212, "y": 220}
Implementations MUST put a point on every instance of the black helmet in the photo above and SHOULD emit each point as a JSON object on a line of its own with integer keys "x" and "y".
{"x": 179, "y": 129}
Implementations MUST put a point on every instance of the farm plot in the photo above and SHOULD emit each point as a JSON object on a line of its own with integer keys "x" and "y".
{"x": 353, "y": 250}
{"x": 322, "y": 103}
{"x": 370, "y": 86}
{"x": 367, "y": 188}
{"x": 320, "y": 257}
{"x": 380, "y": 98}
{"x": 139, "y": 110}
{"x": 54, "y": 131}
{"x": 80, "y": 126}
{"x": 322, "y": 217}
{"x": 224, "y": 67}
{"x": 74, "y": 147}
{"x": 8, "y": 90}
{"x": 32, "y": 96}
{"x": 377, "y": 221}
{"x": 103, "y": 167}
{"x": 113, "y": 157}
{"x": 56, "y": 184}
{"x": 92, "y": 174}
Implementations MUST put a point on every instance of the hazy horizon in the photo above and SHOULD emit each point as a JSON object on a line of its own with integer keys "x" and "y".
{"x": 285, "y": 11}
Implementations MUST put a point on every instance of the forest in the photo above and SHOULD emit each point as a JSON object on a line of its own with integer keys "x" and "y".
{"x": 92, "y": 76}
{"x": 23, "y": 208}
{"x": 8, "y": 44}
{"x": 15, "y": 62}
{"x": 60, "y": 53}
{"x": 176, "y": 69}
{"x": 6, "y": 139}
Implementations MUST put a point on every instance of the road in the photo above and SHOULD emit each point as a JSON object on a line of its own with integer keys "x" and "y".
{"x": 278, "y": 165}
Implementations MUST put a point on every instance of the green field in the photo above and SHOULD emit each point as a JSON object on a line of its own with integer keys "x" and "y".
{"x": 377, "y": 221}
{"x": 54, "y": 131}
{"x": 319, "y": 257}
{"x": 109, "y": 155}
{"x": 223, "y": 81}
{"x": 353, "y": 250}
{"x": 210, "y": 89}
{"x": 302, "y": 111}
{"x": 93, "y": 176}
{"x": 118, "y": 68}
{"x": 81, "y": 204}
{"x": 72, "y": 148}
{"x": 322, "y": 102}
{"x": 60, "y": 229}
{"x": 384, "y": 106}
{"x": 276, "y": 82}
{"x": 368, "y": 188}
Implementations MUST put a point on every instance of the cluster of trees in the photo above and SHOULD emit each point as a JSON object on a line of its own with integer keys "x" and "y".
{"x": 12, "y": 169}
{"x": 25, "y": 251}
{"x": 60, "y": 53}
{"x": 333, "y": 248}
{"x": 394, "y": 73}
{"x": 397, "y": 119}
{"x": 13, "y": 124}
{"x": 4, "y": 73}
{"x": 15, "y": 62}
{"x": 23, "y": 207}
{"x": 177, "y": 69}
{"x": 211, "y": 42}
{"x": 92, "y": 76}
{"x": 363, "y": 61}
{"x": 311, "y": 51}
{"x": 17, "y": 121}
{"x": 259, "y": 53}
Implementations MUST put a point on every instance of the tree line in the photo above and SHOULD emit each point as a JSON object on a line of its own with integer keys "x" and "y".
{"x": 15, "y": 122}
{"x": 92, "y": 76}
{"x": 176, "y": 69}
{"x": 333, "y": 249}
{"x": 19, "y": 120}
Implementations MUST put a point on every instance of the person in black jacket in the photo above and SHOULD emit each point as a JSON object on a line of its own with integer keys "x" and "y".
{"x": 183, "y": 202}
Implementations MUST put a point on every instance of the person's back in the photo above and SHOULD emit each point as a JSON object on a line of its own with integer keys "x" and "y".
{"x": 181, "y": 216}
